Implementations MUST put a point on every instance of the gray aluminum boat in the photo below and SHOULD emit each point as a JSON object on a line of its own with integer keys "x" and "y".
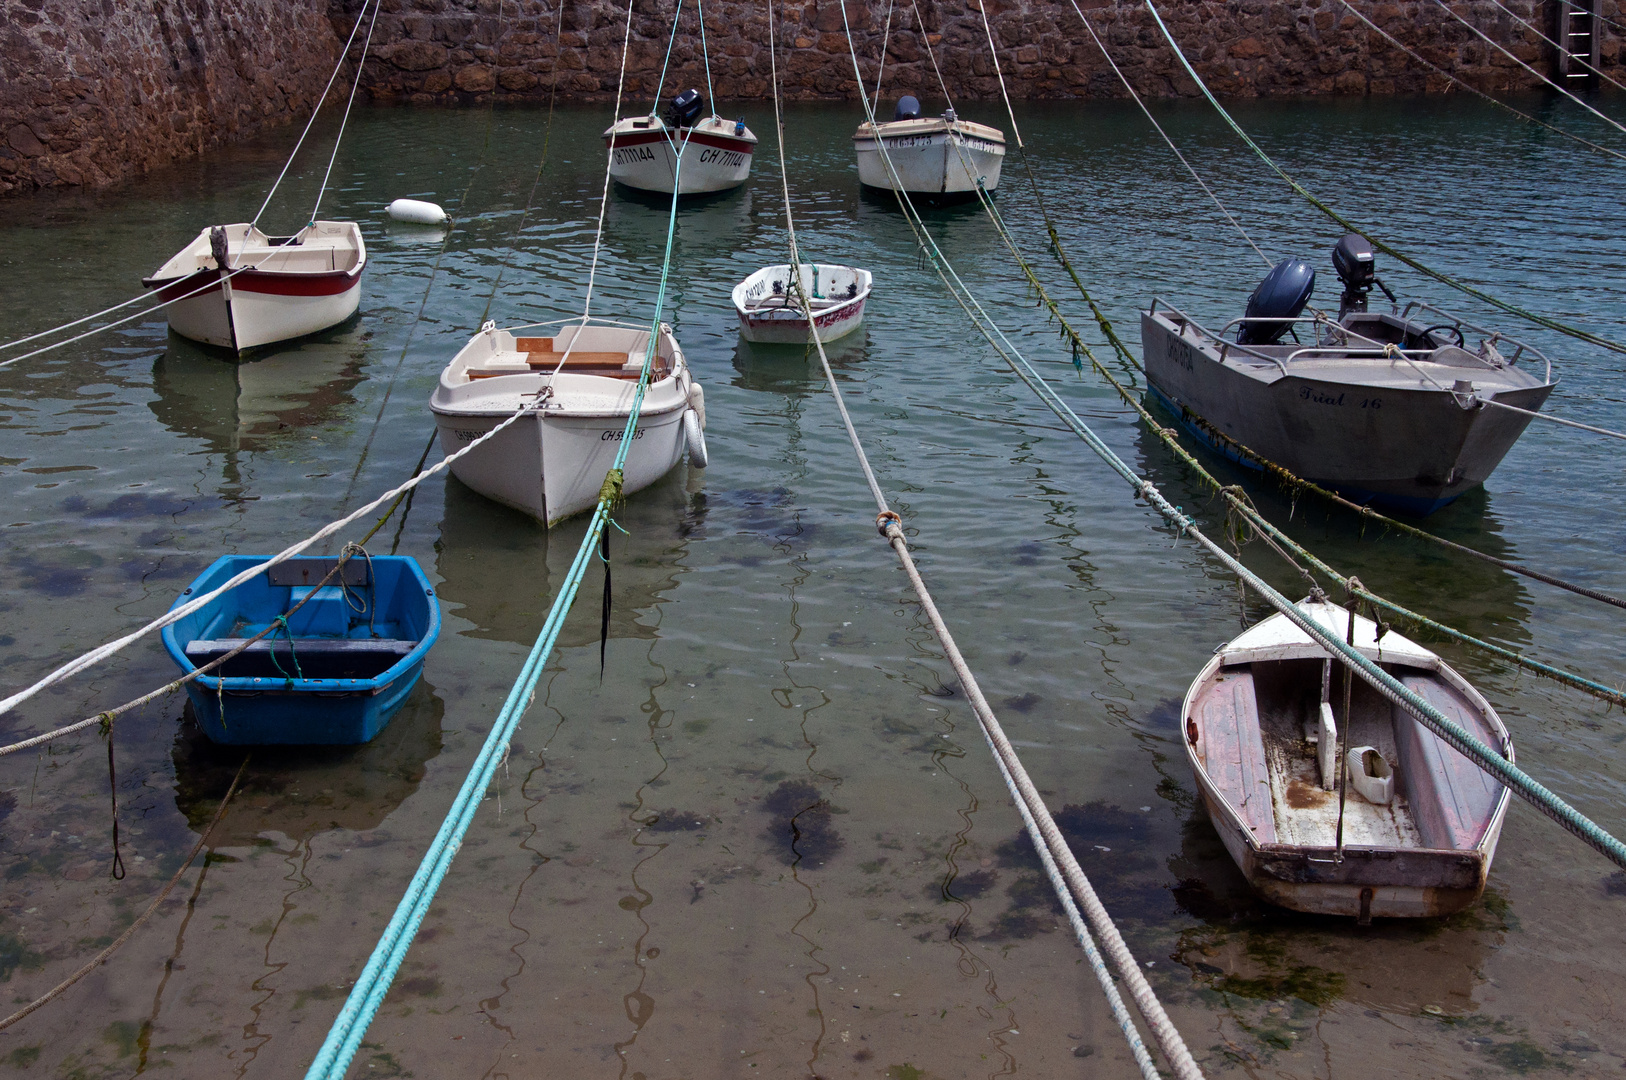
{"x": 1389, "y": 407}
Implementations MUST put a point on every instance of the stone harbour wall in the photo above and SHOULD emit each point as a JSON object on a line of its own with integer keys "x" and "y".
{"x": 92, "y": 91}
{"x": 444, "y": 50}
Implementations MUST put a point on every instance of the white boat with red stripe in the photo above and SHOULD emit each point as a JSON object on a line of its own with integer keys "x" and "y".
{"x": 716, "y": 153}
{"x": 274, "y": 288}
{"x": 770, "y": 310}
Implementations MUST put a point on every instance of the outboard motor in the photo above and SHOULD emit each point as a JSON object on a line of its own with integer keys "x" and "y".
{"x": 908, "y": 108}
{"x": 1352, "y": 258}
{"x": 1282, "y": 295}
{"x": 685, "y": 109}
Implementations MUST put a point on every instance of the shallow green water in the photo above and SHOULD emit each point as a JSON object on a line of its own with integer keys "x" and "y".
{"x": 628, "y": 903}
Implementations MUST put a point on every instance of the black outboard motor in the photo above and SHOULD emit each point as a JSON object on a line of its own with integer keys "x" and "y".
{"x": 685, "y": 109}
{"x": 1282, "y": 295}
{"x": 908, "y": 108}
{"x": 1352, "y": 258}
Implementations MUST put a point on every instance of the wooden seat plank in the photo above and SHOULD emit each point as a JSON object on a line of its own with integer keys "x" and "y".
{"x": 1233, "y": 750}
{"x": 1451, "y": 798}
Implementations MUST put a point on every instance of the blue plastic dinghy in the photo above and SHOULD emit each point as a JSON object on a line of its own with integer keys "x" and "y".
{"x": 338, "y": 669}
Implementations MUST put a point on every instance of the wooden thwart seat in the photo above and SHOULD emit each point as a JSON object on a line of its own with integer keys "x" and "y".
{"x": 1233, "y": 750}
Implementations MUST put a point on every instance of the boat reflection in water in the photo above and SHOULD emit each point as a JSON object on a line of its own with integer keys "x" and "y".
{"x": 301, "y": 791}
{"x": 232, "y": 406}
{"x": 795, "y": 369}
{"x": 500, "y": 570}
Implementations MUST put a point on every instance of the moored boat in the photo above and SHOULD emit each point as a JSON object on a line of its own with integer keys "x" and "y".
{"x": 581, "y": 383}
{"x": 942, "y": 157}
{"x": 332, "y": 672}
{"x": 770, "y": 311}
{"x": 716, "y": 153}
{"x": 1387, "y": 407}
{"x": 273, "y": 288}
{"x": 1365, "y": 812}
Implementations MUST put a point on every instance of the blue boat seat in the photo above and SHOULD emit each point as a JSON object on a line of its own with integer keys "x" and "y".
{"x": 310, "y": 658}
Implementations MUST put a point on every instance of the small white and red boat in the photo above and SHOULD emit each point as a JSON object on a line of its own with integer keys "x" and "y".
{"x": 716, "y": 153}
{"x": 1271, "y": 742}
{"x": 273, "y": 288}
{"x": 770, "y": 310}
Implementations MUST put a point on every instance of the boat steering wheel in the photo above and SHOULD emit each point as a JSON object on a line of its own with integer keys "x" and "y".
{"x": 1454, "y": 328}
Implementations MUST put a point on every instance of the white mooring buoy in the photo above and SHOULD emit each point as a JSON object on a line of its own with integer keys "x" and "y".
{"x": 417, "y": 212}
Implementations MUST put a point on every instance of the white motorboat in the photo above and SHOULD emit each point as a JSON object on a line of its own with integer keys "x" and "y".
{"x": 1414, "y": 829}
{"x": 275, "y": 287}
{"x": 581, "y": 381}
{"x": 940, "y": 157}
{"x": 770, "y": 311}
{"x": 716, "y": 153}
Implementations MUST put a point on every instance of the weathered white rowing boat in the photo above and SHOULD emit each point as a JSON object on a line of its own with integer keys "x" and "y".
{"x": 1415, "y": 829}
{"x": 716, "y": 153}
{"x": 581, "y": 381}
{"x": 273, "y": 288}
{"x": 770, "y": 311}
{"x": 940, "y": 157}
{"x": 1389, "y": 407}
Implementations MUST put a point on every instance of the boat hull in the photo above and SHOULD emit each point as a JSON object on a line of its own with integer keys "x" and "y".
{"x": 781, "y": 322}
{"x": 713, "y": 158}
{"x": 1412, "y": 449}
{"x": 551, "y": 467}
{"x": 935, "y": 160}
{"x": 304, "y": 288}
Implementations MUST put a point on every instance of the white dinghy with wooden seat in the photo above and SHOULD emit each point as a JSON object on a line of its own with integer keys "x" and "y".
{"x": 942, "y": 158}
{"x": 581, "y": 382}
{"x": 1413, "y": 831}
{"x": 702, "y": 154}
{"x": 770, "y": 309}
{"x": 235, "y": 287}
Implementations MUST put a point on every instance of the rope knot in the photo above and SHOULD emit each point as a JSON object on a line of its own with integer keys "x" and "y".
{"x": 885, "y": 520}
{"x": 609, "y": 492}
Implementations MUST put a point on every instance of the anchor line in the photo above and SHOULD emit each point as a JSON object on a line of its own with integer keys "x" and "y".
{"x": 890, "y": 525}
{"x": 1510, "y": 775}
{"x": 1274, "y": 537}
{"x": 1611, "y": 121}
{"x": 1472, "y": 89}
{"x": 1446, "y": 279}
{"x": 367, "y": 995}
{"x": 106, "y": 954}
{"x": 986, "y": 719}
{"x": 355, "y": 85}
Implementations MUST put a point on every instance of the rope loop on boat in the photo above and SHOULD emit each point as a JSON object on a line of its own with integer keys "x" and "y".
{"x": 281, "y": 622}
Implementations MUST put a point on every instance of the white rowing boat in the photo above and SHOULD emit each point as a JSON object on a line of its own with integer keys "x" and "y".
{"x": 716, "y": 153}
{"x": 551, "y": 463}
{"x": 1270, "y": 743}
{"x": 942, "y": 157}
{"x": 770, "y": 311}
{"x": 274, "y": 288}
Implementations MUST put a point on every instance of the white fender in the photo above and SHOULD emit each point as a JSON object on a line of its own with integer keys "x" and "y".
{"x": 697, "y": 401}
{"x": 417, "y": 212}
{"x": 695, "y": 437}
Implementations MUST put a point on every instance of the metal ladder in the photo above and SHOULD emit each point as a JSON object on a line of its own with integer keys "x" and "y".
{"x": 1577, "y": 39}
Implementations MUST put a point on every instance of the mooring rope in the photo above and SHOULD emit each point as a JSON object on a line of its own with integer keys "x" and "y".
{"x": 367, "y": 995}
{"x": 355, "y": 85}
{"x": 1243, "y": 507}
{"x": 337, "y": 67}
{"x": 1550, "y": 418}
{"x": 890, "y": 525}
{"x": 1499, "y": 47}
{"x": 1472, "y": 89}
{"x": 1313, "y": 200}
{"x": 102, "y": 957}
{"x": 1490, "y": 761}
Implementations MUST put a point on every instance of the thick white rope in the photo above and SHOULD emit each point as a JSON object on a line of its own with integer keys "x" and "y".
{"x": 354, "y": 86}
{"x": 69, "y": 325}
{"x": 337, "y": 67}
{"x": 986, "y": 720}
{"x": 1163, "y": 1029}
{"x": 102, "y": 652}
{"x": 1551, "y": 419}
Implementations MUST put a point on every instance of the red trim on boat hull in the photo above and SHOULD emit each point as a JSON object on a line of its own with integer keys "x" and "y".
{"x": 326, "y": 283}
{"x": 722, "y": 142}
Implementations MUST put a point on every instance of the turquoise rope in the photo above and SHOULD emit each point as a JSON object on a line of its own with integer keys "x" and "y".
{"x": 1509, "y": 774}
{"x": 367, "y": 996}
{"x": 670, "y": 41}
{"x": 1349, "y": 226}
